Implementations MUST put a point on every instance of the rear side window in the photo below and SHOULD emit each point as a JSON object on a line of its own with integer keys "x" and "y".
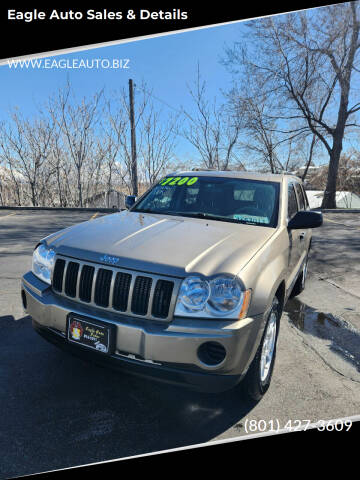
{"x": 305, "y": 198}
{"x": 300, "y": 196}
{"x": 292, "y": 202}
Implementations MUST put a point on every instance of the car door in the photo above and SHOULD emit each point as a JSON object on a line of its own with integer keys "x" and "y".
{"x": 295, "y": 249}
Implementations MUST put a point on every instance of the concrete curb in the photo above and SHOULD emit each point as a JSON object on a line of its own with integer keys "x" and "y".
{"x": 65, "y": 209}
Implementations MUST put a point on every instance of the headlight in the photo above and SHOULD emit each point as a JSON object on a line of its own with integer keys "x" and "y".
{"x": 194, "y": 293}
{"x": 43, "y": 262}
{"x": 225, "y": 295}
{"x": 221, "y": 296}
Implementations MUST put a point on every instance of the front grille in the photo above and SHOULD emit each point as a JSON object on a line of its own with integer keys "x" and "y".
{"x": 149, "y": 296}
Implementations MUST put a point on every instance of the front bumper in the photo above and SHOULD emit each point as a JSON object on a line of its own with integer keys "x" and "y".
{"x": 167, "y": 352}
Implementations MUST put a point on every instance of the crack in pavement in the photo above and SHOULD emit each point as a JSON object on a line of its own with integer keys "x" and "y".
{"x": 313, "y": 349}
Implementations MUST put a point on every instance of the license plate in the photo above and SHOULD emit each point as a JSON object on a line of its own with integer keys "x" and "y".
{"x": 90, "y": 333}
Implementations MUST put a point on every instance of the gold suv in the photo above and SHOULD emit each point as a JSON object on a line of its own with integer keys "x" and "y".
{"x": 186, "y": 285}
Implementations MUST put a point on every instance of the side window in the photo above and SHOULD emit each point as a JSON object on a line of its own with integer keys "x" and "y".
{"x": 305, "y": 198}
{"x": 292, "y": 202}
{"x": 300, "y": 196}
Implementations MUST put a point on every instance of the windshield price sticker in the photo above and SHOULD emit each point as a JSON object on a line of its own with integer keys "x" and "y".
{"x": 179, "y": 181}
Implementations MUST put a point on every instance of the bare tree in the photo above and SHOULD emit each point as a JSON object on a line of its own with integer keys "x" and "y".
{"x": 118, "y": 118}
{"x": 76, "y": 152}
{"x": 309, "y": 155}
{"x": 306, "y": 60}
{"x": 157, "y": 143}
{"x": 251, "y": 107}
{"x": 349, "y": 173}
{"x": 25, "y": 147}
{"x": 77, "y": 121}
{"x": 211, "y": 130}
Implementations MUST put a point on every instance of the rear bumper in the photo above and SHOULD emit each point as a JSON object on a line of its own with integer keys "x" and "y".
{"x": 166, "y": 352}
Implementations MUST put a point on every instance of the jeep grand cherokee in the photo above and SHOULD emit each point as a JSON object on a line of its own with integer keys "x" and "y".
{"x": 186, "y": 285}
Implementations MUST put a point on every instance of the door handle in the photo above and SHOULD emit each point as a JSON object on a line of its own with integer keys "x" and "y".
{"x": 302, "y": 235}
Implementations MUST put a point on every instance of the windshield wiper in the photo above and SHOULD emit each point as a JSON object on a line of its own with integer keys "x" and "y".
{"x": 145, "y": 210}
{"x": 216, "y": 217}
{"x": 207, "y": 216}
{"x": 200, "y": 215}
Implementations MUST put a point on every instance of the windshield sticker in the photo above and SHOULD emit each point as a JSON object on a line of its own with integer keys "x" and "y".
{"x": 251, "y": 218}
{"x": 179, "y": 181}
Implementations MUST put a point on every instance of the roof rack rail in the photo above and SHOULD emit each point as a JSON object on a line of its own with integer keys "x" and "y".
{"x": 200, "y": 169}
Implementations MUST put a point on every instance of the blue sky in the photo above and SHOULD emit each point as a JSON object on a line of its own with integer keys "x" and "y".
{"x": 166, "y": 63}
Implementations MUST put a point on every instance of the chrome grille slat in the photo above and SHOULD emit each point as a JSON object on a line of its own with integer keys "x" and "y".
{"x": 111, "y": 293}
{"x": 78, "y": 282}
{"x": 151, "y": 298}
{"x": 131, "y": 290}
{"x": 64, "y": 276}
{"x": 138, "y": 290}
{"x": 92, "y": 301}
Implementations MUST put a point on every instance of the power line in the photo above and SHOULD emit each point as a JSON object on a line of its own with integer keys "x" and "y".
{"x": 160, "y": 100}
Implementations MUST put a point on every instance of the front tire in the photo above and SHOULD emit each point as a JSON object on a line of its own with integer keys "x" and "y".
{"x": 258, "y": 377}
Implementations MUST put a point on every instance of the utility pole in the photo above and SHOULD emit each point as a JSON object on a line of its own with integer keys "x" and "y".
{"x": 133, "y": 170}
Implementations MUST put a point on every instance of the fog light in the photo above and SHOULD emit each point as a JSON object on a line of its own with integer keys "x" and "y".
{"x": 211, "y": 353}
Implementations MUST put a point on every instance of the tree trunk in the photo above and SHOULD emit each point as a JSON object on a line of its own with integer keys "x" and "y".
{"x": 79, "y": 186}
{"x": 33, "y": 194}
{"x": 329, "y": 199}
{"x": 59, "y": 186}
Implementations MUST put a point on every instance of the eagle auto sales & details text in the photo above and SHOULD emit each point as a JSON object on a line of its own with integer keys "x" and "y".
{"x": 29, "y": 16}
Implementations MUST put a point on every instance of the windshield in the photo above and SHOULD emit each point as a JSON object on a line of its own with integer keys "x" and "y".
{"x": 219, "y": 198}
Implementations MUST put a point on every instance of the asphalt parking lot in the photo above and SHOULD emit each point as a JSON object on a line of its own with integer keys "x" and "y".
{"x": 59, "y": 411}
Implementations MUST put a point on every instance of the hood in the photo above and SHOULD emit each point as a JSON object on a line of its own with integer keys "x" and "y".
{"x": 162, "y": 244}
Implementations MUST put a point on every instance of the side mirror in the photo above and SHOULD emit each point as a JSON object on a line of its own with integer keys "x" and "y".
{"x": 129, "y": 201}
{"x": 306, "y": 219}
